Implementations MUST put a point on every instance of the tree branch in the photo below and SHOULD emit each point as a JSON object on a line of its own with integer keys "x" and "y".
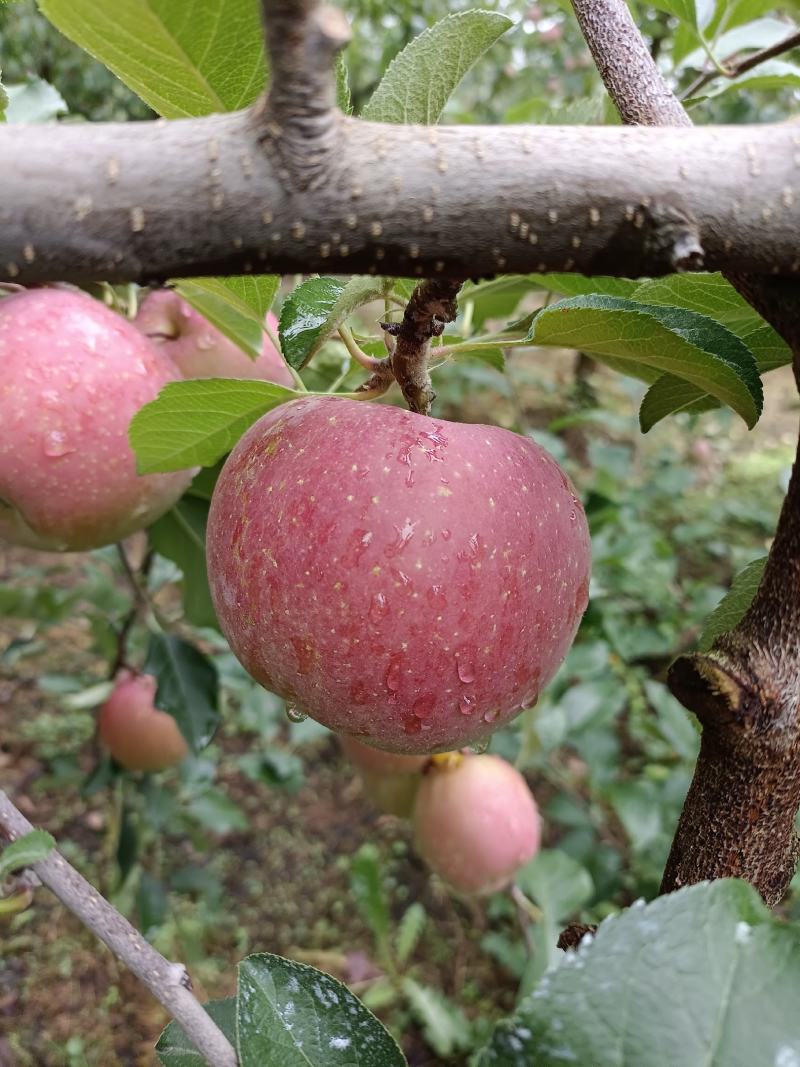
{"x": 754, "y": 60}
{"x": 168, "y": 982}
{"x": 738, "y": 818}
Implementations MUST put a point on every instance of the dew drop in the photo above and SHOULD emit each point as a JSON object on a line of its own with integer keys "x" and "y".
{"x": 492, "y": 715}
{"x": 423, "y": 706}
{"x": 466, "y": 704}
{"x": 205, "y": 341}
{"x": 403, "y": 535}
{"x": 573, "y": 516}
{"x": 446, "y": 535}
{"x": 413, "y": 726}
{"x": 393, "y": 673}
{"x": 378, "y": 608}
{"x": 479, "y": 747}
{"x": 436, "y": 597}
{"x": 295, "y": 714}
{"x": 465, "y": 666}
{"x": 50, "y": 398}
{"x": 56, "y": 444}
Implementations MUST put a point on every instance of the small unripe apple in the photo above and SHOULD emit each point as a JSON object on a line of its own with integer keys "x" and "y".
{"x": 139, "y": 735}
{"x": 390, "y": 780}
{"x": 199, "y": 349}
{"x": 72, "y": 375}
{"x": 475, "y": 822}
{"x": 406, "y": 580}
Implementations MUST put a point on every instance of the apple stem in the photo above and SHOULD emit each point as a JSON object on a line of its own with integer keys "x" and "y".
{"x": 168, "y": 982}
{"x": 431, "y": 306}
{"x": 369, "y": 363}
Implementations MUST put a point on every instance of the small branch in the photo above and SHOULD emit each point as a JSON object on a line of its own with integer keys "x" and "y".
{"x": 139, "y": 588}
{"x": 777, "y": 49}
{"x": 130, "y": 619}
{"x": 298, "y": 121}
{"x": 431, "y": 307}
{"x": 168, "y": 982}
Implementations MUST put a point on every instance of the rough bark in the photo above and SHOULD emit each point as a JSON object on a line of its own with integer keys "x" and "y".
{"x": 147, "y": 201}
{"x": 738, "y": 817}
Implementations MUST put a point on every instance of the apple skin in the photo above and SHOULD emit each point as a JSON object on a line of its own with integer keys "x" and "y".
{"x": 475, "y": 822}
{"x": 390, "y": 780}
{"x": 73, "y": 375}
{"x": 139, "y": 735}
{"x": 406, "y": 580}
{"x": 199, "y": 349}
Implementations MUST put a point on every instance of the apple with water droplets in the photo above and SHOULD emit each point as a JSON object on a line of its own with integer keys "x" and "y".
{"x": 138, "y": 735}
{"x": 408, "y": 581}
{"x": 199, "y": 349}
{"x": 72, "y": 375}
{"x": 475, "y": 822}
{"x": 390, "y": 780}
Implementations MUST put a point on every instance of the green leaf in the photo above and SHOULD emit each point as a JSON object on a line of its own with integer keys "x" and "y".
{"x": 196, "y": 422}
{"x": 445, "y": 1025}
{"x": 217, "y": 812}
{"x": 180, "y": 535}
{"x": 182, "y": 59}
{"x": 367, "y": 886}
{"x": 187, "y": 687}
{"x": 710, "y": 294}
{"x": 3, "y": 100}
{"x": 237, "y": 306}
{"x": 25, "y": 851}
{"x": 420, "y": 80}
{"x": 580, "y": 285}
{"x": 696, "y": 13}
{"x": 734, "y": 604}
{"x": 343, "y": 99}
{"x": 33, "y": 101}
{"x": 176, "y": 1050}
{"x": 556, "y": 882}
{"x": 291, "y": 1015}
{"x": 317, "y": 308}
{"x": 702, "y": 976}
{"x": 409, "y": 931}
{"x": 675, "y": 340}
{"x": 669, "y": 395}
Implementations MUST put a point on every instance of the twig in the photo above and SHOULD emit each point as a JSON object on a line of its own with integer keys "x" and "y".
{"x": 369, "y": 363}
{"x": 140, "y": 592}
{"x": 168, "y": 982}
{"x": 777, "y": 49}
{"x": 130, "y": 619}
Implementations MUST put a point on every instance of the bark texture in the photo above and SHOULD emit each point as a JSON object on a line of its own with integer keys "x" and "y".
{"x": 738, "y": 818}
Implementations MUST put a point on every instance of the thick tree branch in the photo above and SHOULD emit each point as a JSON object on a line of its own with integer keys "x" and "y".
{"x": 738, "y": 818}
{"x": 148, "y": 201}
{"x": 168, "y": 982}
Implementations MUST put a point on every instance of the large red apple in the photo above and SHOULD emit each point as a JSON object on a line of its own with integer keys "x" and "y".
{"x": 409, "y": 581}
{"x": 199, "y": 349}
{"x": 138, "y": 735}
{"x": 475, "y": 822}
{"x": 72, "y": 375}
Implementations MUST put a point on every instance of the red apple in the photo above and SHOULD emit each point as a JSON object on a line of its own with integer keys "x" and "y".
{"x": 200, "y": 350}
{"x": 390, "y": 780}
{"x": 73, "y": 375}
{"x": 475, "y": 822}
{"x": 406, "y": 580}
{"x": 138, "y": 735}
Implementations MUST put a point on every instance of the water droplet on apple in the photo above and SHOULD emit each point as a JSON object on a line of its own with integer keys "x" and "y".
{"x": 378, "y": 608}
{"x": 205, "y": 341}
{"x": 446, "y": 535}
{"x": 413, "y": 726}
{"x": 403, "y": 535}
{"x": 492, "y": 715}
{"x": 478, "y": 748}
{"x": 56, "y": 444}
{"x": 465, "y": 665}
{"x": 466, "y": 704}
{"x": 295, "y": 714}
{"x": 50, "y": 398}
{"x": 436, "y": 597}
{"x": 423, "y": 707}
{"x": 393, "y": 674}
